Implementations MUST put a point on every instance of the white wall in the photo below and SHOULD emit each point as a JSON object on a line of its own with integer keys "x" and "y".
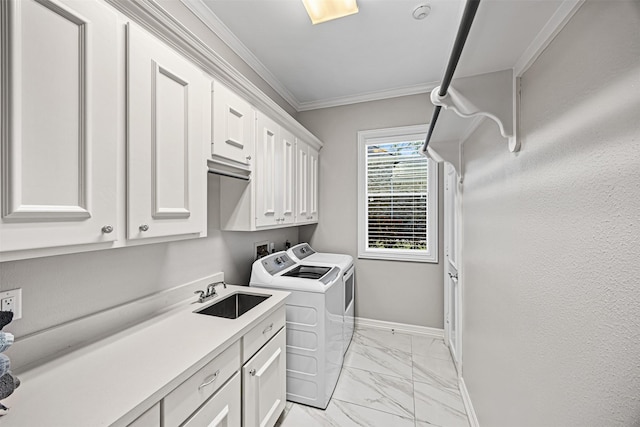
{"x": 404, "y": 292}
{"x": 63, "y": 288}
{"x": 552, "y": 237}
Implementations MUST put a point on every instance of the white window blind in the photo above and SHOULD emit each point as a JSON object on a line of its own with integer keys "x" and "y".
{"x": 396, "y": 207}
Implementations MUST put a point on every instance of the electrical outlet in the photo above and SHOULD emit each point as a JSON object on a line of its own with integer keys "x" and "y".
{"x": 12, "y": 301}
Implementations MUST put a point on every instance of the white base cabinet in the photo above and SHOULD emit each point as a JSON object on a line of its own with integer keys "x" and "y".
{"x": 264, "y": 384}
{"x": 222, "y": 409}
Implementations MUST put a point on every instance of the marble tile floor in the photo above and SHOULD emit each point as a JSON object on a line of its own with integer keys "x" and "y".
{"x": 389, "y": 380}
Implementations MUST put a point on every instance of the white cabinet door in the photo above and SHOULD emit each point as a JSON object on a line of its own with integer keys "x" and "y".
{"x": 302, "y": 182}
{"x": 168, "y": 98}
{"x": 59, "y": 113}
{"x": 286, "y": 177}
{"x": 264, "y": 384}
{"x": 233, "y": 124}
{"x": 307, "y": 159}
{"x": 274, "y": 174}
{"x": 313, "y": 184}
{"x": 268, "y": 149}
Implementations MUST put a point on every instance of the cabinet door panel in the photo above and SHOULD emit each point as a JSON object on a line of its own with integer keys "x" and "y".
{"x": 232, "y": 126}
{"x": 266, "y": 171}
{"x": 166, "y": 166}
{"x": 287, "y": 177}
{"x": 58, "y": 165}
{"x": 264, "y": 384}
{"x": 313, "y": 184}
{"x": 302, "y": 181}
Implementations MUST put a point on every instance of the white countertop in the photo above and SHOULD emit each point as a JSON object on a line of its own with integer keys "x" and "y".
{"x": 113, "y": 381}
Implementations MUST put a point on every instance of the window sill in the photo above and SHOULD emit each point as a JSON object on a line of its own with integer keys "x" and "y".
{"x": 387, "y": 256}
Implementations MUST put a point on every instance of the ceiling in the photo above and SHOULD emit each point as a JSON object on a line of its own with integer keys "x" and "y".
{"x": 380, "y": 52}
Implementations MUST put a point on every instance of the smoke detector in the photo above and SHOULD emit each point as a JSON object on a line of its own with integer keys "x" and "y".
{"x": 421, "y": 11}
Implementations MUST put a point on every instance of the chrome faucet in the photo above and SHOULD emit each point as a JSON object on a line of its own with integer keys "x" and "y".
{"x": 210, "y": 293}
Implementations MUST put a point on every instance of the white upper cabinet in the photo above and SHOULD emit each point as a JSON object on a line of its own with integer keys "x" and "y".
{"x": 233, "y": 121}
{"x": 168, "y": 100}
{"x": 58, "y": 161}
{"x": 307, "y": 158}
{"x": 274, "y": 174}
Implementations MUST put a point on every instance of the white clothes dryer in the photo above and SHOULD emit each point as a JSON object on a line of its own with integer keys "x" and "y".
{"x": 304, "y": 252}
{"x": 314, "y": 324}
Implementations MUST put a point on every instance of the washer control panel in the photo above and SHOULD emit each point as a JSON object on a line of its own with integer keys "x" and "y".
{"x": 303, "y": 250}
{"x": 275, "y": 263}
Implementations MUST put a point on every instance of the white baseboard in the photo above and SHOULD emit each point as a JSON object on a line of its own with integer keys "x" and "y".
{"x": 401, "y": 327}
{"x": 466, "y": 399}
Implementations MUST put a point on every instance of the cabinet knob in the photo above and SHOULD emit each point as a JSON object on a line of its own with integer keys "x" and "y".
{"x": 107, "y": 229}
{"x": 252, "y": 372}
{"x": 248, "y": 157}
{"x": 144, "y": 227}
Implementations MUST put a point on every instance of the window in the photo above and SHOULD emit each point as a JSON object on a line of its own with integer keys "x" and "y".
{"x": 397, "y": 196}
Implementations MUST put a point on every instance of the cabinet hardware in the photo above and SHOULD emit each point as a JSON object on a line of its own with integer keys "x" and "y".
{"x": 248, "y": 157}
{"x": 252, "y": 372}
{"x": 107, "y": 229}
{"x": 215, "y": 376}
{"x": 144, "y": 227}
{"x": 268, "y": 328}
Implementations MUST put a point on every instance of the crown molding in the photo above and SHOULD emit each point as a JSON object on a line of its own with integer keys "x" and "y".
{"x": 211, "y": 20}
{"x": 368, "y": 96}
{"x": 550, "y": 30}
{"x": 155, "y": 19}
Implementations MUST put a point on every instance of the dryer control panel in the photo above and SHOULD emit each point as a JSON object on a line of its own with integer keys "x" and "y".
{"x": 302, "y": 250}
{"x": 275, "y": 263}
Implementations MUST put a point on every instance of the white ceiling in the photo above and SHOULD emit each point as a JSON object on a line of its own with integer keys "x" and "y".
{"x": 377, "y": 53}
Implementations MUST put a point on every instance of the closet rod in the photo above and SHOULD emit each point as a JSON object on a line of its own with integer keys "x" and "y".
{"x": 470, "y": 9}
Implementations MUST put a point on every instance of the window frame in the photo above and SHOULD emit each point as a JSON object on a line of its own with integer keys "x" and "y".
{"x": 390, "y": 135}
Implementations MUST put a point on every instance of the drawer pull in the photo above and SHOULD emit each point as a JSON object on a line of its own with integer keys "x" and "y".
{"x": 268, "y": 328}
{"x": 215, "y": 376}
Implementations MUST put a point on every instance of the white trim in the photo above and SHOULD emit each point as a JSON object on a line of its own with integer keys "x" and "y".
{"x": 368, "y": 96}
{"x": 555, "y": 24}
{"x": 154, "y": 18}
{"x": 211, "y": 20}
{"x": 401, "y": 327}
{"x": 397, "y": 134}
{"x": 468, "y": 406}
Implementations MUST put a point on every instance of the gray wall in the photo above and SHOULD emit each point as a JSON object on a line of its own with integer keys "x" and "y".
{"x": 62, "y": 288}
{"x": 552, "y": 237}
{"x": 404, "y": 292}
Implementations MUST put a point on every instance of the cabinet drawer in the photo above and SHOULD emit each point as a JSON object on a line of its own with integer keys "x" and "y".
{"x": 192, "y": 393}
{"x": 258, "y": 336}
{"x": 151, "y": 418}
{"x": 221, "y": 410}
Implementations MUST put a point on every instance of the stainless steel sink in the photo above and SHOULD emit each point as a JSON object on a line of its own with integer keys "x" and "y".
{"x": 233, "y": 306}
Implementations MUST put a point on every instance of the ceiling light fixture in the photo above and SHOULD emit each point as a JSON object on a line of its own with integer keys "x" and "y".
{"x": 325, "y": 10}
{"x": 421, "y": 11}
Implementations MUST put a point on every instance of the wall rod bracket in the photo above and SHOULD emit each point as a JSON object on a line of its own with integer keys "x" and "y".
{"x": 493, "y": 95}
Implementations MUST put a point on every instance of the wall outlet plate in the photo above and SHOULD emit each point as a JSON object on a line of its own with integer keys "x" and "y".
{"x": 261, "y": 249}
{"x": 12, "y": 301}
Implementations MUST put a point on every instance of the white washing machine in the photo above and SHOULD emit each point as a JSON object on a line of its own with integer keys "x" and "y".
{"x": 304, "y": 252}
{"x": 314, "y": 324}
